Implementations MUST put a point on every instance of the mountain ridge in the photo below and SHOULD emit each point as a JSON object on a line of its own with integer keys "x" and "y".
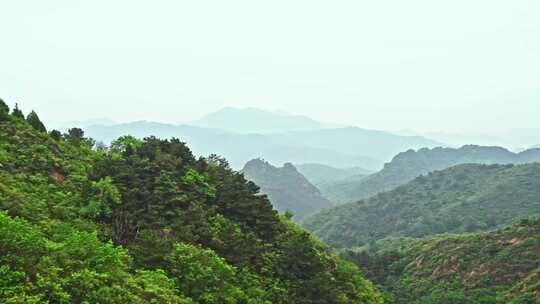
{"x": 257, "y": 121}
{"x": 342, "y": 147}
{"x": 463, "y": 198}
{"x": 410, "y": 164}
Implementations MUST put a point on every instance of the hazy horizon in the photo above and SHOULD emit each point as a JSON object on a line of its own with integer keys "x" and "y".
{"x": 428, "y": 66}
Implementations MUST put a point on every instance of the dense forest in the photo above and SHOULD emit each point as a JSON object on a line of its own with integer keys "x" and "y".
{"x": 144, "y": 221}
{"x": 408, "y": 165}
{"x": 464, "y": 198}
{"x": 481, "y": 268}
{"x": 288, "y": 190}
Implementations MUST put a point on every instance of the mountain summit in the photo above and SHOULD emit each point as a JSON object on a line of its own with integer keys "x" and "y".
{"x": 253, "y": 120}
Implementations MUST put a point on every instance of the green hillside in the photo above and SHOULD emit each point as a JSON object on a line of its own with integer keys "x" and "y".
{"x": 464, "y": 198}
{"x": 287, "y": 189}
{"x": 408, "y": 165}
{"x": 146, "y": 222}
{"x": 493, "y": 267}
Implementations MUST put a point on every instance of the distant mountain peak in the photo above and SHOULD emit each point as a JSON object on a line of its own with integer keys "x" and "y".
{"x": 254, "y": 120}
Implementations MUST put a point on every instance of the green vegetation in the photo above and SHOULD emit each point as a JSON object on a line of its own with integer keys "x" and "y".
{"x": 464, "y": 198}
{"x": 144, "y": 221}
{"x": 408, "y": 165}
{"x": 493, "y": 267}
{"x": 288, "y": 189}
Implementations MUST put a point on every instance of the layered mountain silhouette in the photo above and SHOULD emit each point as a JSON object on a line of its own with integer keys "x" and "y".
{"x": 287, "y": 188}
{"x": 337, "y": 147}
{"x": 408, "y": 165}
{"x": 253, "y": 120}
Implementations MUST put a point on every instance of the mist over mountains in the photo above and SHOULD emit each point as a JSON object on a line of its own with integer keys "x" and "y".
{"x": 253, "y": 120}
{"x": 284, "y": 138}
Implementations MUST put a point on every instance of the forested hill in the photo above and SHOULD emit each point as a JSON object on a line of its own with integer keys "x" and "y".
{"x": 464, "y": 198}
{"x": 146, "y": 222}
{"x": 408, "y": 165}
{"x": 287, "y": 188}
{"x": 484, "y": 268}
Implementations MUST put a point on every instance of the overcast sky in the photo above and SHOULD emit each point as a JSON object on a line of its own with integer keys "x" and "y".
{"x": 426, "y": 65}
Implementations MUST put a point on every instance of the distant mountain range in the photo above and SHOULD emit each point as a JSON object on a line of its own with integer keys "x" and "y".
{"x": 338, "y": 147}
{"x": 252, "y": 120}
{"x": 287, "y": 188}
{"x": 410, "y": 164}
{"x": 514, "y": 139}
{"x": 320, "y": 175}
{"x": 464, "y": 198}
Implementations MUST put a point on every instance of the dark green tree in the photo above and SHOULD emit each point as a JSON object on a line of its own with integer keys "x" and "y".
{"x": 17, "y": 112}
{"x": 76, "y": 136}
{"x": 35, "y": 122}
{"x": 56, "y": 135}
{"x": 4, "y": 110}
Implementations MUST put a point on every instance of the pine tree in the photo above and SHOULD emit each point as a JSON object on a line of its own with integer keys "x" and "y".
{"x": 56, "y": 135}
{"x": 17, "y": 113}
{"x": 4, "y": 110}
{"x": 35, "y": 122}
{"x": 75, "y": 135}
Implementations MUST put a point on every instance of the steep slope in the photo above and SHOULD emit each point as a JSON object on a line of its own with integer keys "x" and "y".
{"x": 464, "y": 198}
{"x": 408, "y": 165}
{"x": 252, "y": 120}
{"x": 146, "y": 222}
{"x": 287, "y": 189}
{"x": 319, "y": 174}
{"x": 494, "y": 267}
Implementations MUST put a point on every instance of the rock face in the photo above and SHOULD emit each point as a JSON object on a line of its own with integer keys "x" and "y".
{"x": 287, "y": 188}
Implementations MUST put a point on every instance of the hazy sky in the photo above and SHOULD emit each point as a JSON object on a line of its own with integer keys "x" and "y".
{"x": 428, "y": 65}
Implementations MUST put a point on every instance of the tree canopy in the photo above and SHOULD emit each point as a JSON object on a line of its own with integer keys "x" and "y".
{"x": 145, "y": 221}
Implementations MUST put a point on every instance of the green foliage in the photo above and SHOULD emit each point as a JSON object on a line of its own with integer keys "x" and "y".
{"x": 464, "y": 198}
{"x": 492, "y": 267}
{"x": 203, "y": 275}
{"x": 17, "y": 113}
{"x": 4, "y": 111}
{"x": 125, "y": 143}
{"x": 411, "y": 164}
{"x": 198, "y": 183}
{"x": 76, "y": 137}
{"x": 35, "y": 122}
{"x": 147, "y": 222}
{"x": 105, "y": 196}
{"x": 55, "y": 134}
